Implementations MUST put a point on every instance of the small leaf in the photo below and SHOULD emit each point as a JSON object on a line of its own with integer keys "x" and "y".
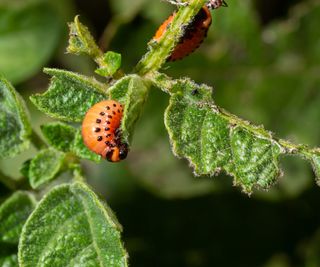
{"x": 66, "y": 138}
{"x": 59, "y": 135}
{"x": 69, "y": 95}
{"x": 112, "y": 62}
{"x": 71, "y": 227}
{"x": 45, "y": 166}
{"x": 213, "y": 140}
{"x": 81, "y": 40}
{"x": 79, "y": 149}
{"x": 132, "y": 92}
{"x": 13, "y": 215}
{"x": 9, "y": 261}
{"x": 15, "y": 128}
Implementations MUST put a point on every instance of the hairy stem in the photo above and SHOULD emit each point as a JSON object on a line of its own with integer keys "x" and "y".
{"x": 159, "y": 51}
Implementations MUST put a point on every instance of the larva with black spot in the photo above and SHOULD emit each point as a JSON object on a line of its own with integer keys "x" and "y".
{"x": 101, "y": 132}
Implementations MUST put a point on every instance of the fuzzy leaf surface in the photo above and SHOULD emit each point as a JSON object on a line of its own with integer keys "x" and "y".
{"x": 15, "y": 128}
{"x": 112, "y": 62}
{"x": 71, "y": 227}
{"x": 45, "y": 166}
{"x": 80, "y": 149}
{"x": 69, "y": 95}
{"x": 132, "y": 92}
{"x": 14, "y": 212}
{"x": 59, "y": 135}
{"x": 81, "y": 41}
{"x": 213, "y": 140}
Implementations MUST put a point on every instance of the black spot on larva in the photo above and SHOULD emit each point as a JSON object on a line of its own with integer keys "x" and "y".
{"x": 102, "y": 113}
{"x": 99, "y": 138}
{"x": 108, "y": 135}
{"x": 109, "y": 116}
{"x": 98, "y": 120}
{"x": 107, "y": 129}
{"x": 97, "y": 129}
{"x": 107, "y": 143}
{"x": 113, "y": 113}
{"x": 114, "y": 105}
{"x": 108, "y": 122}
{"x": 118, "y": 110}
{"x": 107, "y": 107}
{"x": 121, "y": 106}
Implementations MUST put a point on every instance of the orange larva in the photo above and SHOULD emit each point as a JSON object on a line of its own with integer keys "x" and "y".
{"x": 101, "y": 132}
{"x": 194, "y": 33}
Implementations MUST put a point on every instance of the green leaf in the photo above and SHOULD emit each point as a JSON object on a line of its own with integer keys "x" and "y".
{"x": 9, "y": 261}
{"x": 13, "y": 215}
{"x": 66, "y": 138}
{"x": 15, "y": 128}
{"x": 132, "y": 92}
{"x": 163, "y": 174}
{"x": 81, "y": 40}
{"x": 59, "y": 135}
{"x": 29, "y": 36}
{"x": 79, "y": 149}
{"x": 112, "y": 62}
{"x": 213, "y": 140}
{"x": 69, "y": 95}
{"x": 45, "y": 166}
{"x": 71, "y": 227}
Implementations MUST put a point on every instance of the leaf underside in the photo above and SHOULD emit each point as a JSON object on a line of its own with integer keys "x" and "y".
{"x": 213, "y": 140}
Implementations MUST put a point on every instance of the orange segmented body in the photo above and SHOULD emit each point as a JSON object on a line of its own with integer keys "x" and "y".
{"x": 194, "y": 33}
{"x": 101, "y": 132}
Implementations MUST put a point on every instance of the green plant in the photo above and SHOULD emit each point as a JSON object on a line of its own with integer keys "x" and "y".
{"x": 70, "y": 225}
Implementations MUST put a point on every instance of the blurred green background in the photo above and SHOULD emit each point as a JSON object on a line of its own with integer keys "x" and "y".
{"x": 263, "y": 59}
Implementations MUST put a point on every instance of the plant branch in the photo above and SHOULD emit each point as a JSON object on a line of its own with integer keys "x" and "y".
{"x": 159, "y": 51}
{"x": 37, "y": 141}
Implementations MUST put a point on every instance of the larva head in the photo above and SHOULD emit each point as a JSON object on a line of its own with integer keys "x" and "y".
{"x": 117, "y": 153}
{"x": 100, "y": 130}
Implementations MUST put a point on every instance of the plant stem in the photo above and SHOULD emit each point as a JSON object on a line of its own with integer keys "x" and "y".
{"x": 159, "y": 51}
{"x": 78, "y": 173}
{"x": 37, "y": 141}
{"x": 166, "y": 84}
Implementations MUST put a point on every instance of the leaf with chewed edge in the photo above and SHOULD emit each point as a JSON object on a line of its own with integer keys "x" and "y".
{"x": 213, "y": 140}
{"x": 69, "y": 95}
{"x": 71, "y": 227}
